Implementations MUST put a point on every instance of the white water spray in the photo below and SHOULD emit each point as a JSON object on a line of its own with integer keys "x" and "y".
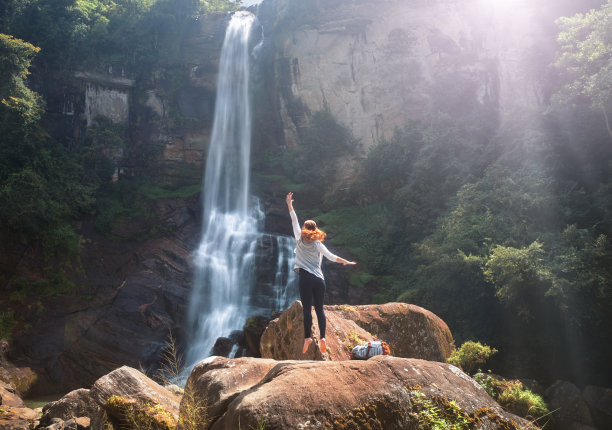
{"x": 232, "y": 219}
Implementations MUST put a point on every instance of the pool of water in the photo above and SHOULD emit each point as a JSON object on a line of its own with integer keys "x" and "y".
{"x": 39, "y": 402}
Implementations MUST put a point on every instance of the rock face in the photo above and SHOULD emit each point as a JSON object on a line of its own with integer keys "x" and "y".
{"x": 374, "y": 64}
{"x": 410, "y": 331}
{"x": 139, "y": 293}
{"x": 380, "y": 393}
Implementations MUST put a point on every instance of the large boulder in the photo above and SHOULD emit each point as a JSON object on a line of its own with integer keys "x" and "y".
{"x": 9, "y": 396}
{"x": 599, "y": 400}
{"x": 130, "y": 383}
{"x": 110, "y": 399}
{"x": 381, "y": 393}
{"x": 215, "y": 382}
{"x": 77, "y": 403}
{"x": 411, "y": 332}
{"x": 15, "y": 418}
{"x": 570, "y": 409}
{"x": 23, "y": 379}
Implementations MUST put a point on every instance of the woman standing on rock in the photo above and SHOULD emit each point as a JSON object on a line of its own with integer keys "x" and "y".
{"x": 309, "y": 253}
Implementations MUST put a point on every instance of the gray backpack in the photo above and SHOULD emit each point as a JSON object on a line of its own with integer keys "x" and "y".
{"x": 370, "y": 349}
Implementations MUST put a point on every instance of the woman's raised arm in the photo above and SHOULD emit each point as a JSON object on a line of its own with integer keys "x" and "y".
{"x": 297, "y": 231}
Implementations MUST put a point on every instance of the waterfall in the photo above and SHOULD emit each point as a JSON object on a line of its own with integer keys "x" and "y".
{"x": 232, "y": 218}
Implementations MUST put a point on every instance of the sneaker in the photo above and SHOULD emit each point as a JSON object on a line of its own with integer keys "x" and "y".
{"x": 323, "y": 345}
{"x": 307, "y": 343}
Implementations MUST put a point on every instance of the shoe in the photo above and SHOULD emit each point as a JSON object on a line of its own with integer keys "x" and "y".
{"x": 307, "y": 343}
{"x": 323, "y": 345}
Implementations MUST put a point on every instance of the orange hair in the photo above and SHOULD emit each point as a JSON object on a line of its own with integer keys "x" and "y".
{"x": 311, "y": 232}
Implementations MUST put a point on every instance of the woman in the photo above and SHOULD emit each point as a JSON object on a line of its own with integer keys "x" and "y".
{"x": 308, "y": 256}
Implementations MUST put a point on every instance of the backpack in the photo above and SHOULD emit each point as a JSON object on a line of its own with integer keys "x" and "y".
{"x": 370, "y": 349}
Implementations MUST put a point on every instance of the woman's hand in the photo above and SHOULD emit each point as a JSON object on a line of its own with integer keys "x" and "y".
{"x": 345, "y": 262}
{"x": 289, "y": 200}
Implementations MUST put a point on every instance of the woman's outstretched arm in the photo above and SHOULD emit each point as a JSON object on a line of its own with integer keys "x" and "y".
{"x": 331, "y": 256}
{"x": 297, "y": 231}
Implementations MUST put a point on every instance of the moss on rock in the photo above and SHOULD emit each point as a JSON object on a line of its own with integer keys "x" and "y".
{"x": 139, "y": 414}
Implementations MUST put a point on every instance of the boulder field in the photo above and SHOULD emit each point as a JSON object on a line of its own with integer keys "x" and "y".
{"x": 383, "y": 392}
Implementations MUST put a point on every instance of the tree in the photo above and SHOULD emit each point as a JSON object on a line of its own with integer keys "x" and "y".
{"x": 586, "y": 58}
{"x": 20, "y": 107}
{"x": 15, "y": 59}
{"x": 520, "y": 277}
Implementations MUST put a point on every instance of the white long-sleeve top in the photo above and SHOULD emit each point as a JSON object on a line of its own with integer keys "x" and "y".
{"x": 308, "y": 255}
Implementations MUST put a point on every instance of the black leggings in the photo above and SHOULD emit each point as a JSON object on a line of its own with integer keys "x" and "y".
{"x": 312, "y": 287}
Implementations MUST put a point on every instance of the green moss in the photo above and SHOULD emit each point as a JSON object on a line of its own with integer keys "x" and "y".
{"x": 55, "y": 282}
{"x": 351, "y": 340}
{"x": 154, "y": 192}
{"x": 378, "y": 414}
{"x": 438, "y": 413}
{"x": 138, "y": 414}
{"x": 346, "y": 308}
{"x": 7, "y": 324}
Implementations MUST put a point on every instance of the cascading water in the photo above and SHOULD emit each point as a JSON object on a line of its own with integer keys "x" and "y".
{"x": 232, "y": 219}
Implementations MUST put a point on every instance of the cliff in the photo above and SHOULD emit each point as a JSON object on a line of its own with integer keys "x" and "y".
{"x": 376, "y": 64}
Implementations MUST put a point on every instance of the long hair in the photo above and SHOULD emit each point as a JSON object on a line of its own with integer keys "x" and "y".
{"x": 311, "y": 232}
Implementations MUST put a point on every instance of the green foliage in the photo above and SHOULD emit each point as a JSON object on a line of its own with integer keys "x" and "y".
{"x": 129, "y": 199}
{"x": 513, "y": 396}
{"x": 17, "y": 100}
{"x": 586, "y": 58}
{"x": 438, "y": 413}
{"x": 522, "y": 401}
{"x": 470, "y": 355}
{"x": 7, "y": 324}
{"x": 54, "y": 282}
{"x": 519, "y": 276}
{"x": 488, "y": 383}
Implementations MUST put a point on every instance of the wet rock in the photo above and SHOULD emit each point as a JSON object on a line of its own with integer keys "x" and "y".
{"x": 383, "y": 392}
{"x": 223, "y": 346}
{"x": 570, "y": 408}
{"x": 253, "y": 329}
{"x": 22, "y": 379}
{"x": 77, "y": 403}
{"x": 141, "y": 292}
{"x": 599, "y": 400}
{"x": 409, "y": 330}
